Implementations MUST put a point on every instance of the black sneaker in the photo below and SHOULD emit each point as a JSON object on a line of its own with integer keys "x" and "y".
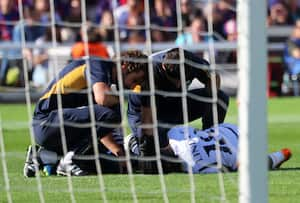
{"x": 67, "y": 167}
{"x": 147, "y": 148}
{"x": 29, "y": 169}
{"x": 146, "y": 145}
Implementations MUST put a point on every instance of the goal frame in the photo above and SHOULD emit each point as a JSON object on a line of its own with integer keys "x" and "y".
{"x": 252, "y": 63}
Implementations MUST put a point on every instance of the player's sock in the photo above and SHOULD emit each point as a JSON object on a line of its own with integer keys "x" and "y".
{"x": 67, "y": 167}
{"x": 131, "y": 143}
{"x": 49, "y": 160}
{"x": 280, "y": 157}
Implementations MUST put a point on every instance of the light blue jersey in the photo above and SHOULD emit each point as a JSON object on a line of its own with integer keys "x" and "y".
{"x": 197, "y": 148}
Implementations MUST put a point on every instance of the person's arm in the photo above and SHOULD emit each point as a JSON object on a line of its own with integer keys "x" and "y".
{"x": 101, "y": 95}
{"x": 109, "y": 142}
{"x": 147, "y": 120}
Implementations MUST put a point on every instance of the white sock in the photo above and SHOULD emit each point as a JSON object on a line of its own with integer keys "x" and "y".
{"x": 277, "y": 158}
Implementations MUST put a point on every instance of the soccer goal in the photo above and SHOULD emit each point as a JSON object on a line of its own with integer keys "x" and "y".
{"x": 248, "y": 185}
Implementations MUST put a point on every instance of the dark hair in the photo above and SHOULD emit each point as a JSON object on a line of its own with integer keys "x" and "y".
{"x": 134, "y": 60}
{"x": 93, "y": 35}
{"x": 172, "y": 68}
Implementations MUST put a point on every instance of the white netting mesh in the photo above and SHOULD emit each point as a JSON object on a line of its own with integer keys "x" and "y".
{"x": 59, "y": 55}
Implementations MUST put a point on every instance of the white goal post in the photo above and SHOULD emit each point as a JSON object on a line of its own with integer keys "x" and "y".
{"x": 252, "y": 55}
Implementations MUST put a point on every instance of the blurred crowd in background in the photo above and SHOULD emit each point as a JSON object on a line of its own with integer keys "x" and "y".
{"x": 191, "y": 15}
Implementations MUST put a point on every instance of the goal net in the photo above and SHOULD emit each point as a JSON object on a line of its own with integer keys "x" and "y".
{"x": 200, "y": 27}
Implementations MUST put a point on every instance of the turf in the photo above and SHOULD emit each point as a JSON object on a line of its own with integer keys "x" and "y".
{"x": 284, "y": 184}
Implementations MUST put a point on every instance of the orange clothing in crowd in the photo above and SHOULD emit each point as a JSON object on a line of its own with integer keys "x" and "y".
{"x": 95, "y": 49}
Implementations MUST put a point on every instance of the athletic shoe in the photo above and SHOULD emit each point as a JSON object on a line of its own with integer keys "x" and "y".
{"x": 67, "y": 167}
{"x": 29, "y": 169}
{"x": 147, "y": 149}
{"x": 131, "y": 144}
{"x": 280, "y": 157}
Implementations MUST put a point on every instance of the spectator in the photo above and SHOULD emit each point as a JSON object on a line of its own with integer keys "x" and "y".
{"x": 74, "y": 12}
{"x": 187, "y": 10}
{"x": 95, "y": 47}
{"x": 42, "y": 74}
{"x": 130, "y": 17}
{"x": 230, "y": 29}
{"x": 106, "y": 26}
{"x": 158, "y": 35}
{"x": 102, "y": 7}
{"x": 194, "y": 34}
{"x": 37, "y": 17}
{"x": 39, "y": 13}
{"x": 221, "y": 12}
{"x": 74, "y": 16}
{"x": 8, "y": 14}
{"x": 279, "y": 14}
{"x": 136, "y": 37}
{"x": 162, "y": 15}
{"x": 292, "y": 58}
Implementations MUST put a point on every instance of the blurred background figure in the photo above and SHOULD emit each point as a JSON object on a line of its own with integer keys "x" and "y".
{"x": 162, "y": 14}
{"x": 37, "y": 18}
{"x": 136, "y": 37}
{"x": 95, "y": 46}
{"x": 158, "y": 35}
{"x": 8, "y": 16}
{"x": 186, "y": 8}
{"x": 43, "y": 67}
{"x": 279, "y": 14}
{"x": 72, "y": 14}
{"x": 291, "y": 58}
{"x": 131, "y": 15}
{"x": 106, "y": 24}
{"x": 220, "y": 12}
{"x": 230, "y": 30}
{"x": 102, "y": 7}
{"x": 196, "y": 33}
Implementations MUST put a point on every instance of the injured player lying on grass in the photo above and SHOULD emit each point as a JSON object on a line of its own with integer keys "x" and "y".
{"x": 188, "y": 146}
{"x": 197, "y": 149}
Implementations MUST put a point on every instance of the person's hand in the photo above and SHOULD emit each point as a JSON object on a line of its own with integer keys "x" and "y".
{"x": 122, "y": 163}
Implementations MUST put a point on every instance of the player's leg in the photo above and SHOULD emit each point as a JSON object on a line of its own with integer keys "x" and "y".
{"x": 275, "y": 159}
{"x": 107, "y": 120}
{"x": 77, "y": 132}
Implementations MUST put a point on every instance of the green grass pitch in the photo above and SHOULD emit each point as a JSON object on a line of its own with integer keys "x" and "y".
{"x": 284, "y": 184}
